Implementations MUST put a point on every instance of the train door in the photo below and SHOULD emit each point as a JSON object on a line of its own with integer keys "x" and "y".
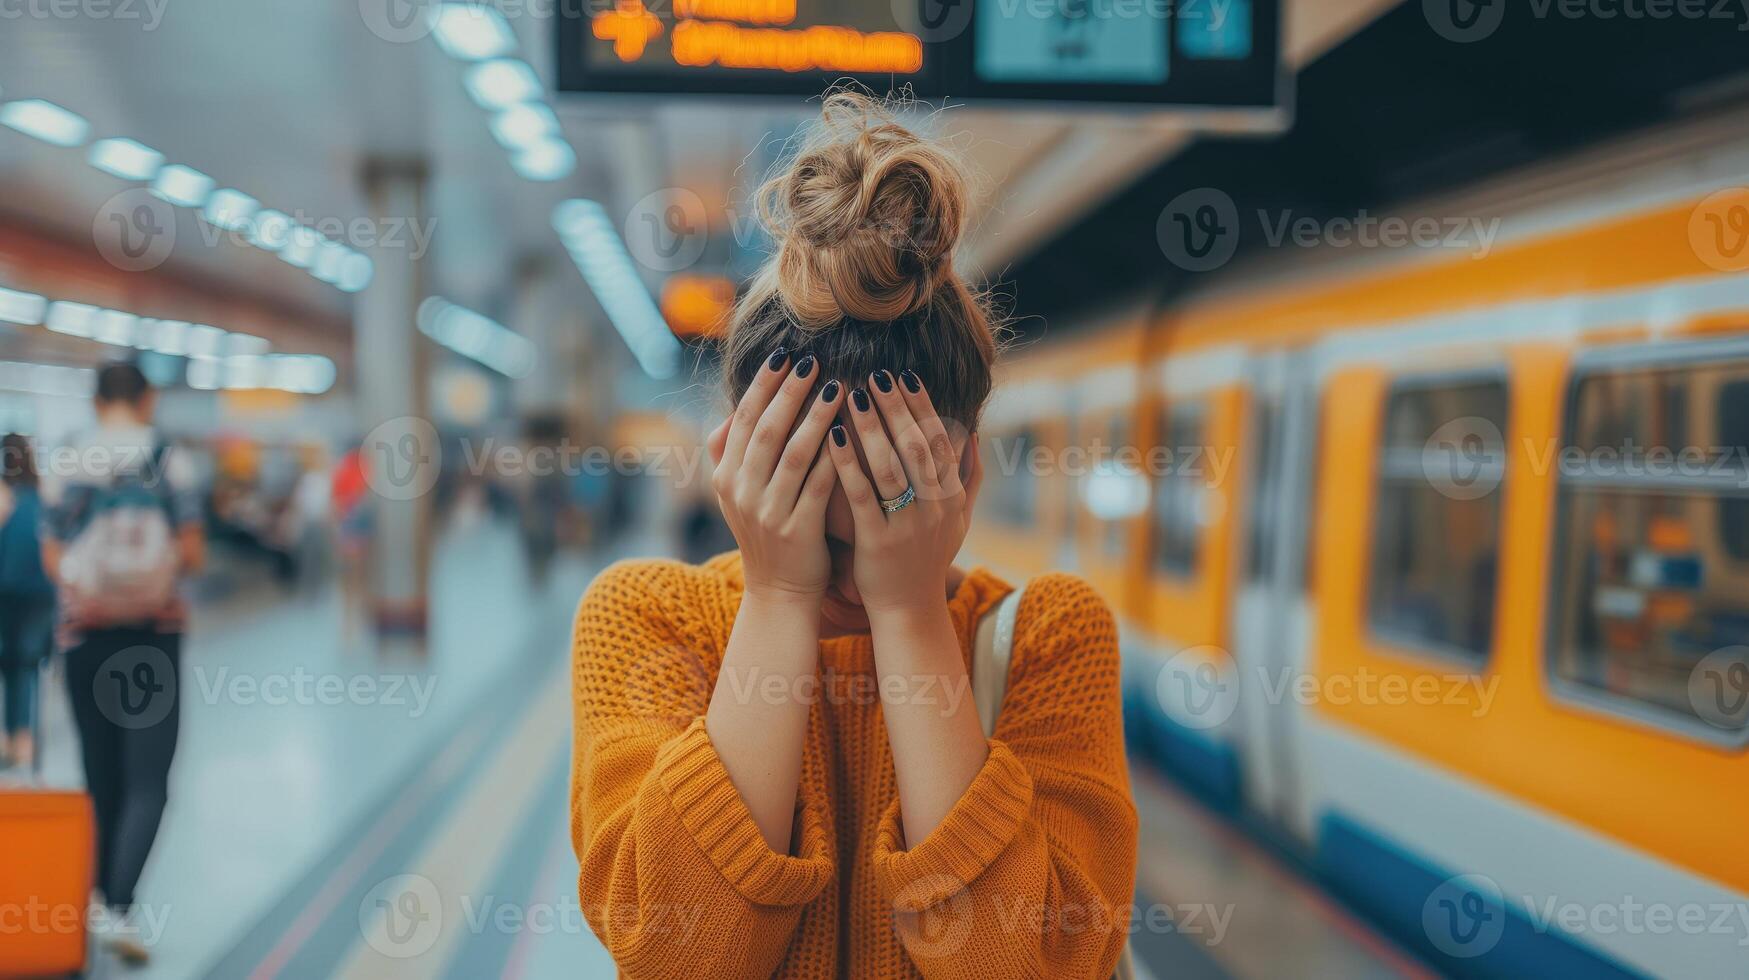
{"x": 1272, "y": 618}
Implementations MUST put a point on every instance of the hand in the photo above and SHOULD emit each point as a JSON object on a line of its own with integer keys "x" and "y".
{"x": 773, "y": 486}
{"x": 902, "y": 558}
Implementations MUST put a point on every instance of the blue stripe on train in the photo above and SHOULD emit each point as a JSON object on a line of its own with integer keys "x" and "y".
{"x": 1462, "y": 923}
{"x": 1207, "y": 766}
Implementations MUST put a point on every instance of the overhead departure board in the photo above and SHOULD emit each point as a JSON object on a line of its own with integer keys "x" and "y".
{"x": 1218, "y": 54}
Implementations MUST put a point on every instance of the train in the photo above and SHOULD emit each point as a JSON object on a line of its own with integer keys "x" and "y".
{"x": 1432, "y": 564}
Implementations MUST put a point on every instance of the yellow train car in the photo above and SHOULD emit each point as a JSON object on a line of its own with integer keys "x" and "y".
{"x": 1438, "y": 562}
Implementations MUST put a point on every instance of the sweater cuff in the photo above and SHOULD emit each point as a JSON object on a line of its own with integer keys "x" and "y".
{"x": 975, "y": 832}
{"x": 712, "y": 810}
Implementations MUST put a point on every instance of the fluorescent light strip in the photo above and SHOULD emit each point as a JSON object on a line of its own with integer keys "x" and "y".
{"x": 596, "y": 248}
{"x": 217, "y": 359}
{"x": 45, "y": 121}
{"x": 25, "y": 308}
{"x": 54, "y": 380}
{"x": 472, "y": 31}
{"x": 356, "y": 272}
{"x": 501, "y": 83}
{"x": 547, "y": 160}
{"x": 230, "y": 209}
{"x": 125, "y": 158}
{"x": 184, "y": 186}
{"x": 476, "y": 337}
{"x": 234, "y": 210}
{"x": 72, "y": 319}
{"x": 523, "y": 123}
{"x": 299, "y": 374}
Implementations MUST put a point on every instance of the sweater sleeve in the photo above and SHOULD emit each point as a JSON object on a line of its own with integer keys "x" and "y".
{"x": 1032, "y": 873}
{"x": 676, "y": 879}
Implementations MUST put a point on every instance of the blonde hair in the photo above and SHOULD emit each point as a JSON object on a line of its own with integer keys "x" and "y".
{"x": 866, "y": 217}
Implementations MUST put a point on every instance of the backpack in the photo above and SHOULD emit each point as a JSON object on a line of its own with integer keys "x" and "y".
{"x": 122, "y": 565}
{"x": 992, "y": 651}
{"x": 21, "y": 566}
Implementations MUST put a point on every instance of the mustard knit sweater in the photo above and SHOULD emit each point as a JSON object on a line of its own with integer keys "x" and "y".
{"x": 1030, "y": 875}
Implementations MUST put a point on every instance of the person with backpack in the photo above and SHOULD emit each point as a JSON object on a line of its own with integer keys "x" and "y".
{"x": 27, "y": 599}
{"x": 126, "y": 529}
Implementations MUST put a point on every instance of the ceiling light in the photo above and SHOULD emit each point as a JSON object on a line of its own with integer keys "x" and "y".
{"x": 472, "y": 31}
{"x": 547, "y": 160}
{"x": 330, "y": 257}
{"x": 204, "y": 341}
{"x": 355, "y": 272}
{"x": 477, "y": 337}
{"x": 166, "y": 336}
{"x": 47, "y": 379}
{"x": 25, "y": 308}
{"x": 114, "y": 327}
{"x": 182, "y": 185}
{"x": 230, "y": 209}
{"x": 272, "y": 230}
{"x": 125, "y": 158}
{"x": 501, "y": 83}
{"x": 601, "y": 256}
{"x": 72, "y": 319}
{"x": 243, "y": 344}
{"x": 524, "y": 125}
{"x": 303, "y": 374}
{"x": 300, "y": 247}
{"x": 203, "y": 375}
{"x": 245, "y": 372}
{"x": 45, "y": 121}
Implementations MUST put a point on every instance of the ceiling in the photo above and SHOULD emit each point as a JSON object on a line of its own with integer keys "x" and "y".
{"x": 288, "y": 102}
{"x": 1397, "y": 113}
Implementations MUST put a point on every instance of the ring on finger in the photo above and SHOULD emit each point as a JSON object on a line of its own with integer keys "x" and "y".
{"x": 900, "y": 502}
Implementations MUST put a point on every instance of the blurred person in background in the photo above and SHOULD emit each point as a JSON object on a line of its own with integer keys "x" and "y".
{"x": 349, "y": 509}
{"x": 306, "y": 517}
{"x": 545, "y": 494}
{"x": 703, "y": 532}
{"x": 124, "y": 533}
{"x": 863, "y": 794}
{"x": 27, "y": 598}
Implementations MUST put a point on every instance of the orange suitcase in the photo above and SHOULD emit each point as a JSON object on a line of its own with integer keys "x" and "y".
{"x": 46, "y": 873}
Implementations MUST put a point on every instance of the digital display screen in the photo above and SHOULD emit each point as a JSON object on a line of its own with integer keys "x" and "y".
{"x": 1162, "y": 53}
{"x": 729, "y": 38}
{"x": 1064, "y": 41}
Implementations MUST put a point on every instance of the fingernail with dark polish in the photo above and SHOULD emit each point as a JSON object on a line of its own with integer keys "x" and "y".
{"x": 805, "y": 366}
{"x": 829, "y": 392}
{"x": 884, "y": 380}
{"x": 860, "y": 397}
{"x": 777, "y": 358}
{"x": 913, "y": 383}
{"x": 839, "y": 436}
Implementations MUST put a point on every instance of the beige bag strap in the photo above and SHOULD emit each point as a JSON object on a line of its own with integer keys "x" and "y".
{"x": 992, "y": 651}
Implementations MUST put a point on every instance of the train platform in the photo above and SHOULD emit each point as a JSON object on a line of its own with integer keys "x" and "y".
{"x": 419, "y": 827}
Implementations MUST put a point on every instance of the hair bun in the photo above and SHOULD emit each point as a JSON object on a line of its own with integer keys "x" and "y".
{"x": 866, "y": 217}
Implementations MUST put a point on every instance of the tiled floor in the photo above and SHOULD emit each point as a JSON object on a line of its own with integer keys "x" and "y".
{"x": 417, "y": 827}
{"x": 274, "y": 767}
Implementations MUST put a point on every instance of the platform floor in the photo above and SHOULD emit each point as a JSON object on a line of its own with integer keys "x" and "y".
{"x": 421, "y": 831}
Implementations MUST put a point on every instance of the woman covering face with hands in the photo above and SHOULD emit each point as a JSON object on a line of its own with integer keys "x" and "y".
{"x": 782, "y": 741}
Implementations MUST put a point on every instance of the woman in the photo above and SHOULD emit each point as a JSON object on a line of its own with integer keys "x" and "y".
{"x": 779, "y": 767}
{"x": 27, "y": 599}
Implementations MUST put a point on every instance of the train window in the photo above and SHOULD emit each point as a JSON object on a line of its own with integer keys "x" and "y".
{"x": 1014, "y": 494}
{"x": 1265, "y": 476}
{"x": 1117, "y": 435}
{"x": 1181, "y": 497}
{"x": 1733, "y": 421}
{"x": 1651, "y": 586}
{"x": 1436, "y": 531}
